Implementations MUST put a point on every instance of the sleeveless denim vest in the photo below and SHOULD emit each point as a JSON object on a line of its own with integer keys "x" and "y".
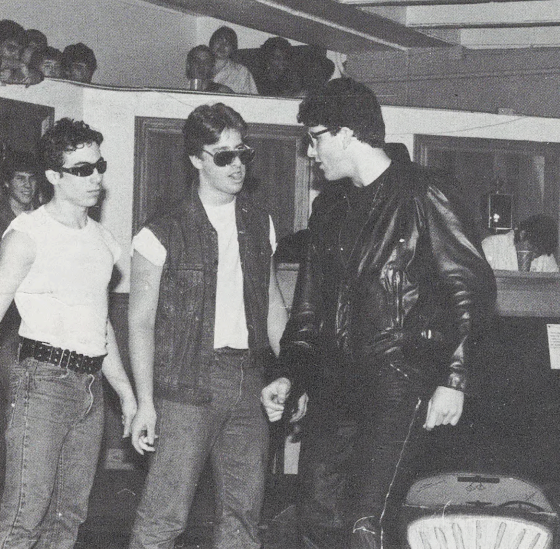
{"x": 184, "y": 329}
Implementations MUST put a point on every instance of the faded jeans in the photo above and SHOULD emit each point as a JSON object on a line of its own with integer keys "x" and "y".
{"x": 233, "y": 432}
{"x": 53, "y": 439}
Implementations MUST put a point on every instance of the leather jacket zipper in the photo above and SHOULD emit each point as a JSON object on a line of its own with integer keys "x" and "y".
{"x": 398, "y": 289}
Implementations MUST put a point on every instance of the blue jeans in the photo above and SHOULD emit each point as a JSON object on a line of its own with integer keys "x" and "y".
{"x": 53, "y": 439}
{"x": 233, "y": 432}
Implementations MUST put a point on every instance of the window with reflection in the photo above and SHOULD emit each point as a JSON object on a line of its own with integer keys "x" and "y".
{"x": 508, "y": 183}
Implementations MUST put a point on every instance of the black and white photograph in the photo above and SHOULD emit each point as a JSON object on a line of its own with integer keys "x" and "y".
{"x": 279, "y": 274}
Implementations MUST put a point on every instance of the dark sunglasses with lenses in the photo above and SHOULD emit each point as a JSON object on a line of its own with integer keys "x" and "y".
{"x": 224, "y": 158}
{"x": 87, "y": 169}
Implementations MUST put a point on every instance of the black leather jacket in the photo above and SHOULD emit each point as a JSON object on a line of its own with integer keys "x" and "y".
{"x": 414, "y": 292}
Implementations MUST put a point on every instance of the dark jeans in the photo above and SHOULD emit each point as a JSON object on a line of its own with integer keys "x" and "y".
{"x": 355, "y": 470}
{"x": 53, "y": 439}
{"x": 233, "y": 432}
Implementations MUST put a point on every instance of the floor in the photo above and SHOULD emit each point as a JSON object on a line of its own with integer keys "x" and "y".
{"x": 281, "y": 538}
{"x": 116, "y": 493}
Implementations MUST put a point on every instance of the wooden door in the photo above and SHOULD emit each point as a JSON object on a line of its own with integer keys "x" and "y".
{"x": 279, "y": 178}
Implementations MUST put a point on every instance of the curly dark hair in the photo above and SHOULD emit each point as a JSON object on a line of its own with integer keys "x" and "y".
{"x": 541, "y": 231}
{"x": 36, "y": 36}
{"x": 205, "y": 125}
{"x": 345, "y": 103}
{"x": 10, "y": 30}
{"x": 19, "y": 161}
{"x": 79, "y": 52}
{"x": 48, "y": 53}
{"x": 65, "y": 136}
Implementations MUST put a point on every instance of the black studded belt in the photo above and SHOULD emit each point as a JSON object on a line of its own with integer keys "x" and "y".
{"x": 30, "y": 348}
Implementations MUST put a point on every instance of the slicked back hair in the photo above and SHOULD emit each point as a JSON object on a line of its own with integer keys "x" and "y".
{"x": 205, "y": 125}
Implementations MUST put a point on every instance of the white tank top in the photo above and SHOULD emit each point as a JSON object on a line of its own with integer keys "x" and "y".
{"x": 63, "y": 299}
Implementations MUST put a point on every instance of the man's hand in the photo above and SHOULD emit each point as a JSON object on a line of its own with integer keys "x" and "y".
{"x": 128, "y": 408}
{"x": 301, "y": 409}
{"x": 445, "y": 408}
{"x": 274, "y": 396}
{"x": 144, "y": 428}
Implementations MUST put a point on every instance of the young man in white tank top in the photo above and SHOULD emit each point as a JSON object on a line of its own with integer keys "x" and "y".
{"x": 57, "y": 262}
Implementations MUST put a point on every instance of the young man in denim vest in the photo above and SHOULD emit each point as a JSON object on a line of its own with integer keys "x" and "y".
{"x": 205, "y": 312}
{"x": 58, "y": 262}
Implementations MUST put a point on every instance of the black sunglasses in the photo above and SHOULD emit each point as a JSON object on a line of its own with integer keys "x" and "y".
{"x": 87, "y": 169}
{"x": 315, "y": 135}
{"x": 224, "y": 158}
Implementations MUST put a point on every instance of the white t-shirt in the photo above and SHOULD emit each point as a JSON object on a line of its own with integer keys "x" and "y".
{"x": 230, "y": 328}
{"x": 237, "y": 77}
{"x": 63, "y": 299}
{"x": 501, "y": 253}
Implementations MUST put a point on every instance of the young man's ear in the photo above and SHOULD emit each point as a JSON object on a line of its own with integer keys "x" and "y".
{"x": 53, "y": 177}
{"x": 346, "y": 135}
{"x": 196, "y": 161}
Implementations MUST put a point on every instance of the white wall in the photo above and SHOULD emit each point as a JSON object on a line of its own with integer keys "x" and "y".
{"x": 113, "y": 112}
{"x": 136, "y": 43}
{"x": 403, "y": 122}
{"x": 65, "y": 97}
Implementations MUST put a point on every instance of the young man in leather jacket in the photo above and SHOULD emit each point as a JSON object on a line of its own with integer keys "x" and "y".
{"x": 392, "y": 294}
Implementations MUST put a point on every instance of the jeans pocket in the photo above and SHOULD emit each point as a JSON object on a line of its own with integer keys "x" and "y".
{"x": 44, "y": 370}
{"x": 56, "y": 393}
{"x": 17, "y": 381}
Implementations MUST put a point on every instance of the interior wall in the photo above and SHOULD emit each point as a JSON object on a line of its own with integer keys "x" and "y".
{"x": 136, "y": 43}
{"x": 247, "y": 38}
{"x": 66, "y": 98}
{"x": 522, "y": 81}
{"x": 113, "y": 112}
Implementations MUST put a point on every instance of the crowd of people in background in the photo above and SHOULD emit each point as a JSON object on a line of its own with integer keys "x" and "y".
{"x": 26, "y": 57}
{"x": 277, "y": 68}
